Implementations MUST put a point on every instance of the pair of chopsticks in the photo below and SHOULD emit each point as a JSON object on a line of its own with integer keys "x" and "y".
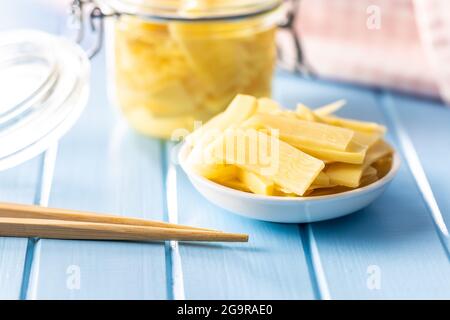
{"x": 18, "y": 220}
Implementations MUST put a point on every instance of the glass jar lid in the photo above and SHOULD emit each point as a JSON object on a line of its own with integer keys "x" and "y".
{"x": 191, "y": 10}
{"x": 43, "y": 90}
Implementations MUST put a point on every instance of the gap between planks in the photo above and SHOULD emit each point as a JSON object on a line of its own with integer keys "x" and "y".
{"x": 174, "y": 270}
{"x": 42, "y": 197}
{"x": 314, "y": 263}
{"x": 415, "y": 167}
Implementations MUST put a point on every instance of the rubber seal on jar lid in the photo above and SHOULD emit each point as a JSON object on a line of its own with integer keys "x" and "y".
{"x": 44, "y": 82}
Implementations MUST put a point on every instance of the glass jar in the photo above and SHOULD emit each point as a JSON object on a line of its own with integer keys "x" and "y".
{"x": 174, "y": 62}
{"x": 44, "y": 82}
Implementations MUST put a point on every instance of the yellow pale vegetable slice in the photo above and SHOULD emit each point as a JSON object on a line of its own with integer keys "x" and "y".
{"x": 330, "y": 108}
{"x": 280, "y": 192}
{"x": 269, "y": 157}
{"x": 354, "y": 124}
{"x": 309, "y": 134}
{"x": 377, "y": 151}
{"x": 199, "y": 160}
{"x": 266, "y": 105}
{"x": 383, "y": 166}
{"x": 241, "y": 108}
{"x": 220, "y": 172}
{"x": 256, "y": 183}
{"x": 369, "y": 171}
{"x": 322, "y": 180}
{"x": 367, "y": 139}
{"x": 323, "y": 114}
{"x": 349, "y": 175}
{"x": 365, "y": 181}
{"x": 214, "y": 59}
{"x": 366, "y": 133}
{"x": 364, "y": 138}
{"x": 305, "y": 113}
{"x": 235, "y": 184}
{"x": 355, "y": 153}
{"x": 344, "y": 174}
{"x": 316, "y": 186}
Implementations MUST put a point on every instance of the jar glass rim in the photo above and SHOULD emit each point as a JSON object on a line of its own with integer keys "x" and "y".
{"x": 180, "y": 10}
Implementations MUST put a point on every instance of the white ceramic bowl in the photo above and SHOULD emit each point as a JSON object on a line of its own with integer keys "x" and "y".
{"x": 287, "y": 209}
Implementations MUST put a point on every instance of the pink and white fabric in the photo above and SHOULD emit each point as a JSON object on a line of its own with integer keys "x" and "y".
{"x": 398, "y": 44}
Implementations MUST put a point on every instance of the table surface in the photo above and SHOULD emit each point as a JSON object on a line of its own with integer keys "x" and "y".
{"x": 398, "y": 247}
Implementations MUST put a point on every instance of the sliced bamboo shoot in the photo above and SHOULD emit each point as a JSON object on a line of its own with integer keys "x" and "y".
{"x": 266, "y": 105}
{"x": 200, "y": 161}
{"x": 367, "y": 139}
{"x": 305, "y": 113}
{"x": 241, "y": 108}
{"x": 355, "y": 153}
{"x": 363, "y": 137}
{"x": 383, "y": 165}
{"x": 269, "y": 157}
{"x": 330, "y": 108}
{"x": 344, "y": 174}
{"x": 365, "y": 181}
{"x": 256, "y": 183}
{"x": 308, "y": 134}
{"x": 220, "y": 172}
{"x": 322, "y": 180}
{"x": 354, "y": 124}
{"x": 235, "y": 184}
{"x": 349, "y": 175}
{"x": 377, "y": 151}
{"x": 369, "y": 171}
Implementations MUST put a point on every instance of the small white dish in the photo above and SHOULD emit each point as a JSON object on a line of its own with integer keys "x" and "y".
{"x": 287, "y": 209}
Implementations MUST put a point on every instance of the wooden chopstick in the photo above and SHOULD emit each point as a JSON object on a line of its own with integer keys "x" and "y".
{"x": 60, "y": 229}
{"x": 13, "y": 210}
{"x": 18, "y": 220}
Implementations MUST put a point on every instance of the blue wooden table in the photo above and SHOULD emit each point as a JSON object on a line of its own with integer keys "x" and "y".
{"x": 396, "y": 248}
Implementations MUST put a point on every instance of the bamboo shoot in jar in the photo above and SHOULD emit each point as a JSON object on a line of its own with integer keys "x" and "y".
{"x": 170, "y": 73}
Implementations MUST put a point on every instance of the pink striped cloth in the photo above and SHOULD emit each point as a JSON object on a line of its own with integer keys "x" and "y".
{"x": 398, "y": 44}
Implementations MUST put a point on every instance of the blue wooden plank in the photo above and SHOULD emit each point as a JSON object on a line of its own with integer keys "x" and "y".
{"x": 426, "y": 123}
{"x": 271, "y": 266}
{"x": 16, "y": 185}
{"x": 102, "y": 166}
{"x": 393, "y": 240}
